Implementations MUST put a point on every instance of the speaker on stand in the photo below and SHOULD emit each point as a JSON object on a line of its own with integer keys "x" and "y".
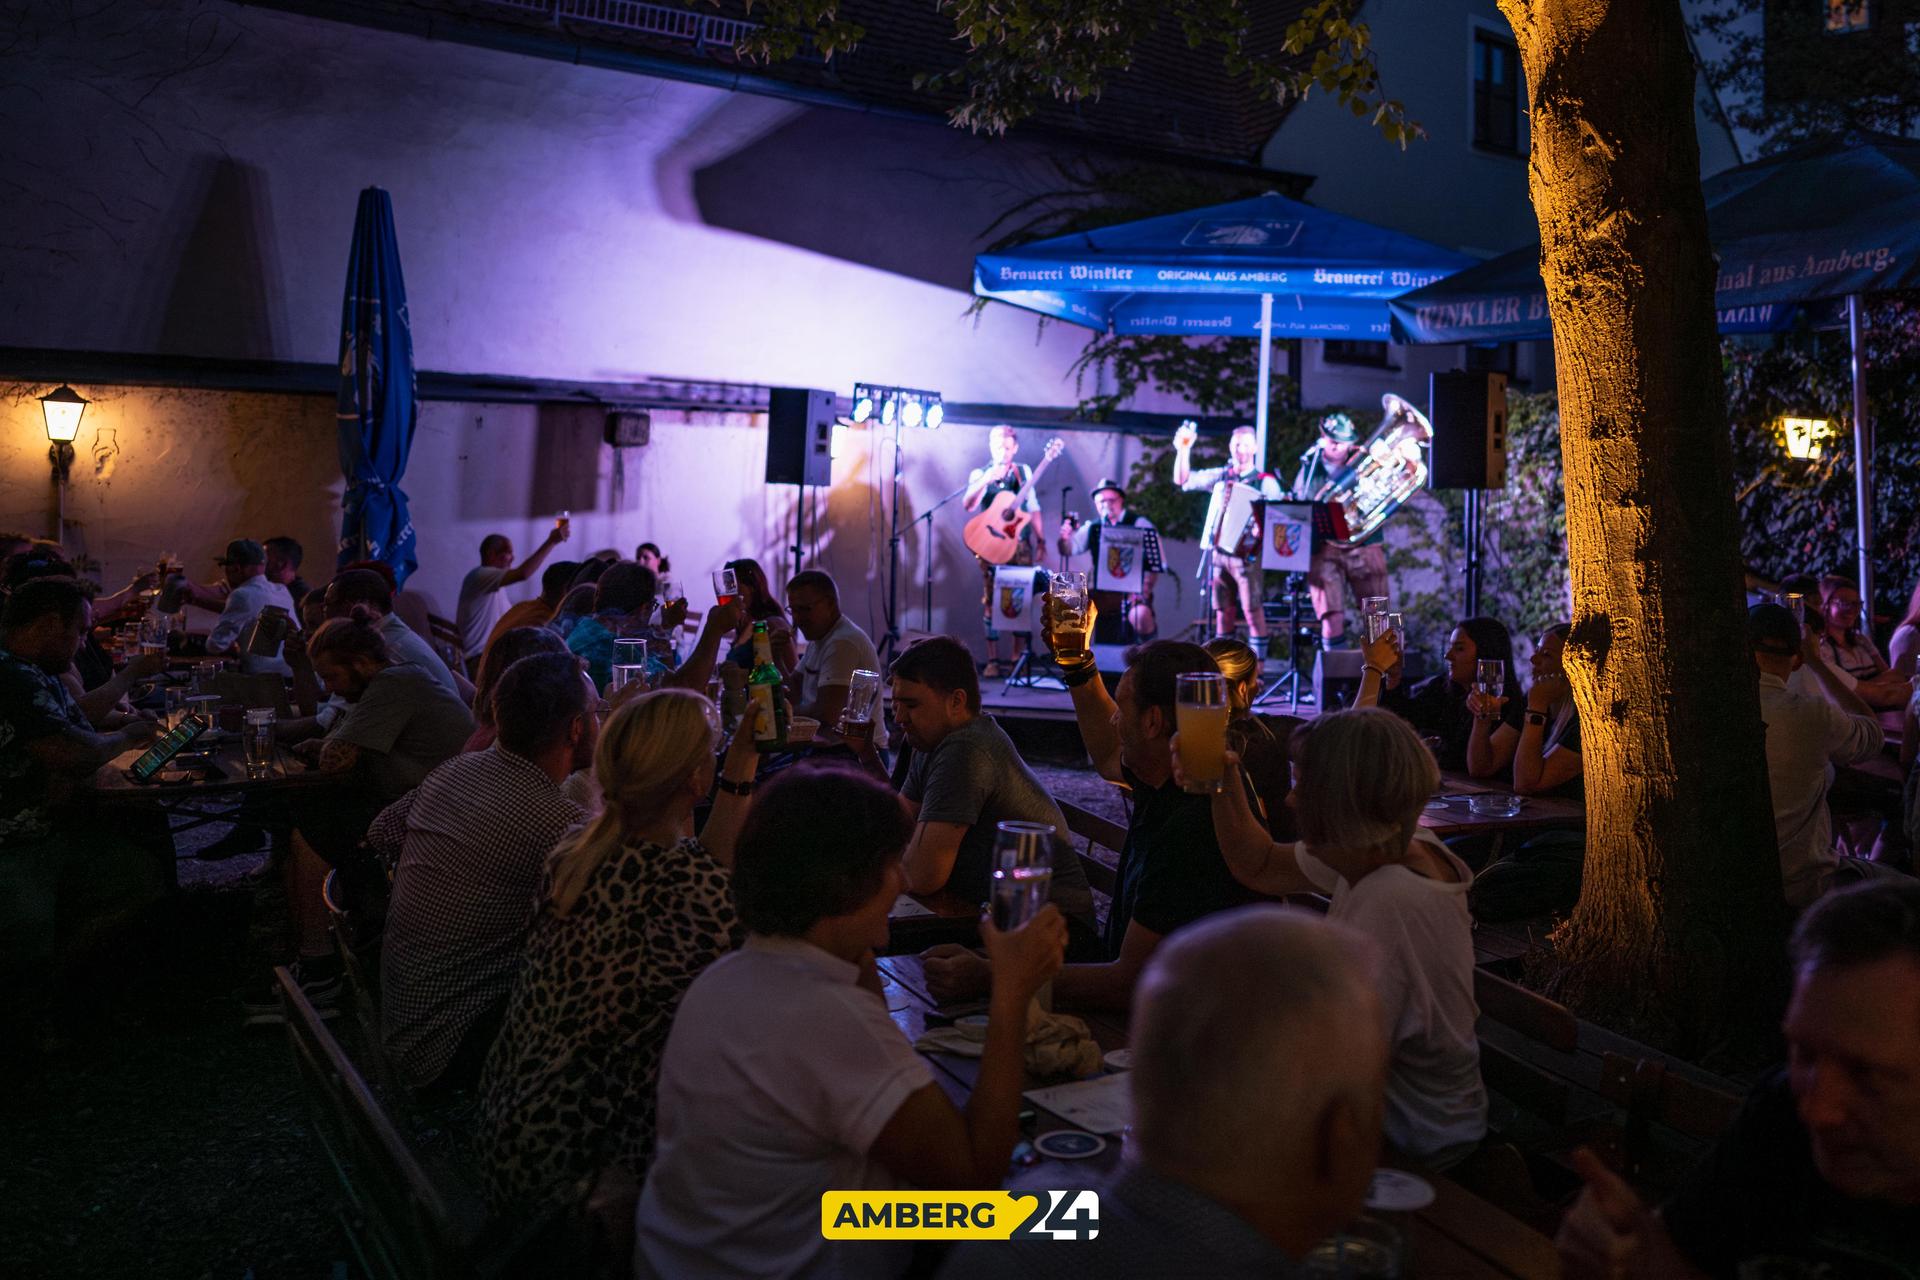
{"x": 1468, "y": 412}
{"x": 800, "y": 448}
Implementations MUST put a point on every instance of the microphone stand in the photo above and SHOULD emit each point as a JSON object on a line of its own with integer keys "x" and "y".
{"x": 926, "y": 517}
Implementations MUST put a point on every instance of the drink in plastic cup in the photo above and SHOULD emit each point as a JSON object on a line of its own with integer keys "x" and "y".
{"x": 1200, "y": 714}
{"x": 1022, "y": 872}
{"x": 564, "y": 523}
{"x": 726, "y": 586}
{"x": 862, "y": 691}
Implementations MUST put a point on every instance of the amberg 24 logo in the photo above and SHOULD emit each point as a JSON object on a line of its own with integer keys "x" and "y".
{"x": 960, "y": 1215}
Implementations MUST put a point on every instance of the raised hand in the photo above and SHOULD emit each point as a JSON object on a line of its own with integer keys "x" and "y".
{"x": 1185, "y": 436}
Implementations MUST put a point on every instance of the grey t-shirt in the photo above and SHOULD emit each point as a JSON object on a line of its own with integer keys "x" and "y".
{"x": 976, "y": 777}
{"x": 408, "y": 724}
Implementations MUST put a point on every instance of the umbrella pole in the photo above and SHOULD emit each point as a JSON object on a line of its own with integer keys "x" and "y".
{"x": 1266, "y": 376}
{"x": 1862, "y": 453}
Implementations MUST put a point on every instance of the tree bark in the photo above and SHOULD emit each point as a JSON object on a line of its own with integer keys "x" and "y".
{"x": 1680, "y": 923}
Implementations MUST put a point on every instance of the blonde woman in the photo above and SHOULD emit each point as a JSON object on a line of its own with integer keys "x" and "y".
{"x": 632, "y": 907}
{"x": 1360, "y": 780}
{"x": 1263, "y": 756}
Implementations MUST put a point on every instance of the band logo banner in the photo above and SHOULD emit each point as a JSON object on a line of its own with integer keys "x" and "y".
{"x": 1122, "y": 559}
{"x": 1288, "y": 546}
{"x": 1013, "y": 598}
{"x": 960, "y": 1215}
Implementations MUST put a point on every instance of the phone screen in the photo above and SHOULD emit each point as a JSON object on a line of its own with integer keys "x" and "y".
{"x": 169, "y": 745}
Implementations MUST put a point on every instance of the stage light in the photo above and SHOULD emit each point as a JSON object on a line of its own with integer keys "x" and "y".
{"x": 912, "y": 412}
{"x": 889, "y": 407}
{"x": 863, "y": 401}
{"x": 936, "y": 414}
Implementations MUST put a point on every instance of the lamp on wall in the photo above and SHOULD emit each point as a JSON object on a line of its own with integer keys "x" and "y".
{"x": 62, "y": 410}
{"x": 1805, "y": 436}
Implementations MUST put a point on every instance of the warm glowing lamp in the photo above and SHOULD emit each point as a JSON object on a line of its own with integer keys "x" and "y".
{"x": 1804, "y": 436}
{"x": 62, "y": 410}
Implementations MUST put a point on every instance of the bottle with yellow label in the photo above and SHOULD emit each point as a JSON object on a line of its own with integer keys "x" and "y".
{"x": 763, "y": 686}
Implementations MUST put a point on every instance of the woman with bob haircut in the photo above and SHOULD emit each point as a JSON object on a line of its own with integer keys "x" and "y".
{"x": 631, "y": 907}
{"x": 785, "y": 1077}
{"x": 1360, "y": 780}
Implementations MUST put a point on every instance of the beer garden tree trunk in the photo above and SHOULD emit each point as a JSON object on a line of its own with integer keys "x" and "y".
{"x": 1679, "y": 925}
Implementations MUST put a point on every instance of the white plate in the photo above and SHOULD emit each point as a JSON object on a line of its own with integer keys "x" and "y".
{"x": 1119, "y": 1060}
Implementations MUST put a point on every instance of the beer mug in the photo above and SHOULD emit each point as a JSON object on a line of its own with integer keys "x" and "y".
{"x": 1200, "y": 713}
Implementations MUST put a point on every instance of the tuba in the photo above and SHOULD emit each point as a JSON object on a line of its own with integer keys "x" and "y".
{"x": 1391, "y": 466}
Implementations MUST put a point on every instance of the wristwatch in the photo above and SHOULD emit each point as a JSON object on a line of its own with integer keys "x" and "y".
{"x": 1536, "y": 717}
{"x": 733, "y": 788}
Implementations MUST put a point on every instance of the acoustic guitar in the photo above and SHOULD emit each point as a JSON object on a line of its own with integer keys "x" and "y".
{"x": 994, "y": 534}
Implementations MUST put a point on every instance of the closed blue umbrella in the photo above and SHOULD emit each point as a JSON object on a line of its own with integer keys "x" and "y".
{"x": 1263, "y": 267}
{"x": 377, "y": 406}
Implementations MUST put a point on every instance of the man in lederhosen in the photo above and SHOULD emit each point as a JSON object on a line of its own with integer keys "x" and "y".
{"x": 1238, "y": 584}
{"x": 1337, "y": 569}
{"x": 1003, "y": 475}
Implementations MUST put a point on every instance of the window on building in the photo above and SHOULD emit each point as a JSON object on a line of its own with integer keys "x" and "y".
{"x": 1496, "y": 93}
{"x": 1844, "y": 16}
{"x": 1372, "y": 354}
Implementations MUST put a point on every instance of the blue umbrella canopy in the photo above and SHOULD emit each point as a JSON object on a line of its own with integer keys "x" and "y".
{"x": 1796, "y": 234}
{"x": 1204, "y": 272}
{"x": 376, "y": 404}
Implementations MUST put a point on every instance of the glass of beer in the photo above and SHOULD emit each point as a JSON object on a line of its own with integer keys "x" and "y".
{"x": 1200, "y": 713}
{"x": 1070, "y": 623}
{"x": 1374, "y": 610}
{"x": 1022, "y": 872}
{"x": 726, "y": 586}
{"x": 1798, "y": 604}
{"x": 862, "y": 692}
{"x": 257, "y": 740}
{"x": 1490, "y": 681}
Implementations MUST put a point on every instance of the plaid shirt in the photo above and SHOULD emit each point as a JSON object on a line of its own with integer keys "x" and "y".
{"x": 472, "y": 841}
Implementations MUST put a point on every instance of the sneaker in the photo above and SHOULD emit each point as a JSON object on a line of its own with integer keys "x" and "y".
{"x": 322, "y": 989}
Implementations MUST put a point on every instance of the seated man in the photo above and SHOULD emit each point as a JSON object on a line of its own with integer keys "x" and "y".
{"x": 400, "y": 725}
{"x": 366, "y": 588}
{"x": 1171, "y": 871}
{"x": 61, "y": 870}
{"x": 283, "y": 564}
{"x": 250, "y": 591}
{"x": 836, "y": 648}
{"x": 555, "y": 579}
{"x": 1807, "y": 734}
{"x": 1820, "y": 1175}
{"x": 966, "y": 778}
{"x": 1256, "y": 1123}
{"x": 470, "y": 844}
{"x": 623, "y": 604}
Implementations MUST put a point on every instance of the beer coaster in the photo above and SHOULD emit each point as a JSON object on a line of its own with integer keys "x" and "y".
{"x": 1119, "y": 1060}
{"x": 1069, "y": 1144}
{"x": 1395, "y": 1192}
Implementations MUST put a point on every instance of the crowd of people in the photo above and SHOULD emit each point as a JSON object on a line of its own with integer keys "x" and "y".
{"x": 648, "y": 950}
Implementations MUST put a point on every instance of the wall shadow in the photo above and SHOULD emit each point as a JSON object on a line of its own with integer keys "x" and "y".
{"x": 225, "y": 298}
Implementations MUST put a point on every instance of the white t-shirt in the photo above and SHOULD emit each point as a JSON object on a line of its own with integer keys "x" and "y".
{"x": 778, "y": 1076}
{"x": 831, "y": 660}
{"x": 1435, "y": 1098}
{"x": 244, "y": 604}
{"x": 1806, "y": 736}
{"x": 481, "y": 605}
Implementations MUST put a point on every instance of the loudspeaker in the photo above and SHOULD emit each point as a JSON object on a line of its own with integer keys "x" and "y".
{"x": 1336, "y": 677}
{"x": 1469, "y": 416}
{"x": 800, "y": 436}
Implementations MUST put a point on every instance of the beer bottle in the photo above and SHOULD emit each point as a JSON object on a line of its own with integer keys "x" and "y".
{"x": 763, "y": 685}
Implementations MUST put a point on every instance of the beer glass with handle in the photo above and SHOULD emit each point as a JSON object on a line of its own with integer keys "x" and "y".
{"x": 1070, "y": 624}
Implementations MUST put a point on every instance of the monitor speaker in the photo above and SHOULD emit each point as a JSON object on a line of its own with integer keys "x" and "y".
{"x": 1469, "y": 416}
{"x": 1336, "y": 677}
{"x": 800, "y": 436}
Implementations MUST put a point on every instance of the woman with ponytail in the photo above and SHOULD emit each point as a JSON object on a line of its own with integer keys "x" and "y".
{"x": 632, "y": 907}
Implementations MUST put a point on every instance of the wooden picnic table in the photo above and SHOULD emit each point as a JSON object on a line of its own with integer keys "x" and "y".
{"x": 922, "y": 920}
{"x": 112, "y": 785}
{"x": 1458, "y": 1237}
{"x": 1448, "y": 814}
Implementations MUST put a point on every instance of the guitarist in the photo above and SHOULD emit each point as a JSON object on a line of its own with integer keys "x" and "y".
{"x": 1003, "y": 475}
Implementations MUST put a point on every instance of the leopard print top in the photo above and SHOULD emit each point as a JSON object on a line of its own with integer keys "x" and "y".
{"x": 569, "y": 1085}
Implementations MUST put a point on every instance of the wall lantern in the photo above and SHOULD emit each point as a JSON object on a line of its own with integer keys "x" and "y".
{"x": 62, "y": 409}
{"x": 1805, "y": 436}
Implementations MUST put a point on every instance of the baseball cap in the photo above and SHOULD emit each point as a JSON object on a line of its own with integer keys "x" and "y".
{"x": 1108, "y": 483}
{"x": 243, "y": 551}
{"x": 1771, "y": 629}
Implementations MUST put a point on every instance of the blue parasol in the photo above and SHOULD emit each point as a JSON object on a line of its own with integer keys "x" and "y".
{"x": 377, "y": 406}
